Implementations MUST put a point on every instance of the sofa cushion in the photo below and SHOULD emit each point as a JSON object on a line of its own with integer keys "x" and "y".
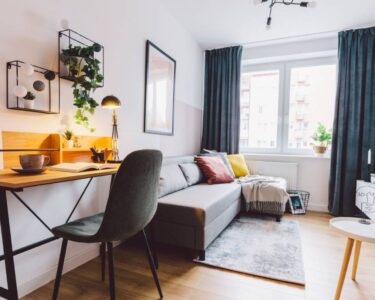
{"x": 223, "y": 156}
{"x": 214, "y": 169}
{"x": 171, "y": 180}
{"x": 192, "y": 173}
{"x": 198, "y": 204}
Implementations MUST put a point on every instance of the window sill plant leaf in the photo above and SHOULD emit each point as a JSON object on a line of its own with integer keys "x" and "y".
{"x": 85, "y": 73}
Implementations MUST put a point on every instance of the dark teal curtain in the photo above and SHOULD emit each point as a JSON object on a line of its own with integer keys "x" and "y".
{"x": 354, "y": 126}
{"x": 221, "y": 115}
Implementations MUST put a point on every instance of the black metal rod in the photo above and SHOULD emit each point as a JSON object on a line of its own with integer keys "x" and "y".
{"x": 79, "y": 200}
{"x": 16, "y": 64}
{"x": 4, "y": 293}
{"x": 7, "y": 246}
{"x": 31, "y": 246}
{"x": 30, "y": 209}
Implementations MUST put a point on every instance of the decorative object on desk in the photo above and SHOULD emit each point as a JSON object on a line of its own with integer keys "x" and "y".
{"x": 17, "y": 79}
{"x": 79, "y": 62}
{"x": 322, "y": 138}
{"x": 98, "y": 155}
{"x": 34, "y": 161}
{"x": 365, "y": 200}
{"x": 19, "y": 91}
{"x": 29, "y": 69}
{"x": 68, "y": 136}
{"x": 77, "y": 142}
{"x": 39, "y": 86}
{"x": 159, "y": 109}
{"x": 28, "y": 100}
{"x": 112, "y": 102}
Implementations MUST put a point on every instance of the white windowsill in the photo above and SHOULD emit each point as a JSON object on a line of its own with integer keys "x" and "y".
{"x": 285, "y": 155}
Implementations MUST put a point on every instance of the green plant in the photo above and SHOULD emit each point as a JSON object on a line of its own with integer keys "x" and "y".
{"x": 84, "y": 69}
{"x": 68, "y": 134}
{"x": 29, "y": 96}
{"x": 322, "y": 136}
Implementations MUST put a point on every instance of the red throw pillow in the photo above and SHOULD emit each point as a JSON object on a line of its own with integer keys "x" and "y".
{"x": 214, "y": 169}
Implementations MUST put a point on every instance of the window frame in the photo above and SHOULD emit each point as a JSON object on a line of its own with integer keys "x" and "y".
{"x": 284, "y": 69}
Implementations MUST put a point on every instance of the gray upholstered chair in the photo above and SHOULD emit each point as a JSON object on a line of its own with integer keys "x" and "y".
{"x": 131, "y": 205}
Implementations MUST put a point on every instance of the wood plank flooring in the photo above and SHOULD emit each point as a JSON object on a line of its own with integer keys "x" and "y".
{"x": 182, "y": 279}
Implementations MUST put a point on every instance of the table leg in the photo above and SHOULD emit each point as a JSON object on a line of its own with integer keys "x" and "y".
{"x": 357, "y": 251}
{"x": 7, "y": 245}
{"x": 344, "y": 267}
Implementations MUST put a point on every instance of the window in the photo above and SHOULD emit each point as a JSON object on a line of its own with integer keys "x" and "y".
{"x": 282, "y": 104}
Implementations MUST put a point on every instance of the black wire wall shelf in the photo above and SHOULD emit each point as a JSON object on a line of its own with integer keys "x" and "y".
{"x": 39, "y": 83}
{"x": 69, "y": 38}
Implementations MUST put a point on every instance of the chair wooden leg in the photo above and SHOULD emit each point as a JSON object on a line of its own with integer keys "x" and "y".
{"x": 357, "y": 251}
{"x": 344, "y": 267}
{"x": 59, "y": 269}
{"x": 152, "y": 264}
{"x": 111, "y": 271}
{"x": 102, "y": 259}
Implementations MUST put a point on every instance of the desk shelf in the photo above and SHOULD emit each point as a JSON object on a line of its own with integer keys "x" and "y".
{"x": 51, "y": 144}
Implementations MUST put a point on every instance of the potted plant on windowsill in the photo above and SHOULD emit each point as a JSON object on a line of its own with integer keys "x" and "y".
{"x": 322, "y": 138}
{"x": 68, "y": 136}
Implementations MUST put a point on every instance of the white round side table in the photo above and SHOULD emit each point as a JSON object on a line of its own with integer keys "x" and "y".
{"x": 354, "y": 231}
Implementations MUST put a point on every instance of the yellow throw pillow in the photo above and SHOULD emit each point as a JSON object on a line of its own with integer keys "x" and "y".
{"x": 238, "y": 164}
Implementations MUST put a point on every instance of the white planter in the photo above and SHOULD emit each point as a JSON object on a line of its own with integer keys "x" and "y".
{"x": 29, "y": 104}
{"x": 70, "y": 144}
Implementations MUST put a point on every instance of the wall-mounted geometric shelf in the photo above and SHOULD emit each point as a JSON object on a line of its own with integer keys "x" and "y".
{"x": 70, "y": 38}
{"x": 47, "y": 101}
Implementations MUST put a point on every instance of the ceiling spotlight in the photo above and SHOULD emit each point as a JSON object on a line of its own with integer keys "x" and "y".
{"x": 309, "y": 4}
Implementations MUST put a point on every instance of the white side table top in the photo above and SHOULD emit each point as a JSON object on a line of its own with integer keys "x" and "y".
{"x": 351, "y": 228}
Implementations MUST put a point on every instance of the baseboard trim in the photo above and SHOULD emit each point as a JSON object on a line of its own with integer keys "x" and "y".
{"x": 318, "y": 207}
{"x": 71, "y": 263}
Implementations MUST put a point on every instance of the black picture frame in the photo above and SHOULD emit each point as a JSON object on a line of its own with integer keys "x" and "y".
{"x": 296, "y": 204}
{"x": 151, "y": 47}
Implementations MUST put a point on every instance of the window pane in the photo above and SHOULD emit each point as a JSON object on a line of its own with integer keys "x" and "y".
{"x": 259, "y": 109}
{"x": 311, "y": 101}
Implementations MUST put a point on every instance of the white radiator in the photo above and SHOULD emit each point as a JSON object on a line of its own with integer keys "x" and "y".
{"x": 287, "y": 170}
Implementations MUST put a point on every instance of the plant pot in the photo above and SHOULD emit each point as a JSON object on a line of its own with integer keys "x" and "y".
{"x": 70, "y": 144}
{"x": 29, "y": 104}
{"x": 320, "y": 150}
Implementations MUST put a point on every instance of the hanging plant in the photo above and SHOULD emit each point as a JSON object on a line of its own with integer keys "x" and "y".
{"x": 84, "y": 70}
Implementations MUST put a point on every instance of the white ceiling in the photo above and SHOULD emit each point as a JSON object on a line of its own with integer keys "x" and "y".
{"x": 215, "y": 23}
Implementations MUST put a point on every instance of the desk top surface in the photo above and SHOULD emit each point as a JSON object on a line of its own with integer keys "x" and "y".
{"x": 11, "y": 180}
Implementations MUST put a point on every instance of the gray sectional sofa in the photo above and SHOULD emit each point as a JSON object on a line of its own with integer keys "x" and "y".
{"x": 192, "y": 213}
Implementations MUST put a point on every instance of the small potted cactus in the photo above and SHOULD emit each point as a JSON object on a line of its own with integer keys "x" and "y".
{"x": 68, "y": 136}
{"x": 28, "y": 100}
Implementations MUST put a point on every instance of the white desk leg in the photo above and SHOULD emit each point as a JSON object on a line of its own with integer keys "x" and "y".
{"x": 344, "y": 267}
{"x": 357, "y": 251}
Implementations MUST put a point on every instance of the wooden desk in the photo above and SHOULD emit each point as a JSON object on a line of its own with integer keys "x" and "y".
{"x": 14, "y": 183}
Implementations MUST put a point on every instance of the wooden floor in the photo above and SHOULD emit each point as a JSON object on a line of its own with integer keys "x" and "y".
{"x": 182, "y": 279}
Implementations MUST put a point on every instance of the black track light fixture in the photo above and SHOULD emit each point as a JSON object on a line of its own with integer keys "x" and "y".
{"x": 307, "y": 4}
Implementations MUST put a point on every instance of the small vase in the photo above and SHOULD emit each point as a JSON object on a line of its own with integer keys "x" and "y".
{"x": 70, "y": 144}
{"x": 29, "y": 104}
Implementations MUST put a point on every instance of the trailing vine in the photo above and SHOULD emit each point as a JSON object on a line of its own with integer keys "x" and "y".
{"x": 84, "y": 70}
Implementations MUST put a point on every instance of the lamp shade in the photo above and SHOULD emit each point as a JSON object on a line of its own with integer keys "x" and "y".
{"x": 111, "y": 102}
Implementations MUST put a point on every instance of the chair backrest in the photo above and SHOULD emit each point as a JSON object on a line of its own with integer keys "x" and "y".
{"x": 132, "y": 201}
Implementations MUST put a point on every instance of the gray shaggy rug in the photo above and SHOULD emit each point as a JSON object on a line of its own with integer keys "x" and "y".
{"x": 259, "y": 247}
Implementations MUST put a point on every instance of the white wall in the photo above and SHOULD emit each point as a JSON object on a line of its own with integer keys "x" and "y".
{"x": 313, "y": 171}
{"x": 29, "y": 32}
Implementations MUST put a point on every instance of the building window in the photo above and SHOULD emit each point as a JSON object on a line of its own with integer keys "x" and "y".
{"x": 281, "y": 105}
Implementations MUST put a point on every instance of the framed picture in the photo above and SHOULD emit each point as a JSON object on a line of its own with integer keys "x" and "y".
{"x": 296, "y": 204}
{"x": 159, "y": 91}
